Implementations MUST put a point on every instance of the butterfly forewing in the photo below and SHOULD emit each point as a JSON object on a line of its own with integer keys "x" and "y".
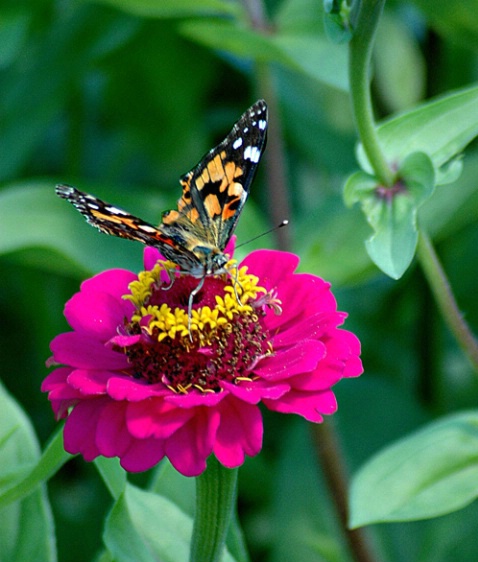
{"x": 215, "y": 191}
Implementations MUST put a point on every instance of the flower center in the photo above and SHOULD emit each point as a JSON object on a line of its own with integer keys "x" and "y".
{"x": 222, "y": 340}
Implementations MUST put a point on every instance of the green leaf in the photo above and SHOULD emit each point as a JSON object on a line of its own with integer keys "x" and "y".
{"x": 13, "y": 33}
{"x": 174, "y": 8}
{"x": 457, "y": 20}
{"x": 145, "y": 527}
{"x": 52, "y": 459}
{"x": 26, "y": 532}
{"x": 316, "y": 57}
{"x": 232, "y": 38}
{"x": 337, "y": 21}
{"x": 441, "y": 128}
{"x": 51, "y": 225}
{"x": 406, "y": 70}
{"x": 308, "y": 54}
{"x": 427, "y": 474}
{"x": 114, "y": 476}
{"x": 392, "y": 212}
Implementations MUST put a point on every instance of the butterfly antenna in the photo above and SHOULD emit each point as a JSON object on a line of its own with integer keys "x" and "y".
{"x": 285, "y": 222}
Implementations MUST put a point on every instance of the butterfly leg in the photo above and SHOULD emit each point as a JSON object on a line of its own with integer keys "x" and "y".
{"x": 172, "y": 278}
{"x": 193, "y": 293}
{"x": 235, "y": 283}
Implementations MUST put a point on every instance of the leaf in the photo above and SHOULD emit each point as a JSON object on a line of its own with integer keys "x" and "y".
{"x": 337, "y": 21}
{"x": 52, "y": 459}
{"x": 406, "y": 71}
{"x": 441, "y": 128}
{"x": 48, "y": 224}
{"x": 113, "y": 475}
{"x": 427, "y": 474}
{"x": 308, "y": 54}
{"x": 174, "y": 8}
{"x": 392, "y": 212}
{"x": 145, "y": 527}
{"x": 458, "y": 21}
{"x": 27, "y": 531}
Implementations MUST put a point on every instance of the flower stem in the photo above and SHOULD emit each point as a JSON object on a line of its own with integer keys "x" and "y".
{"x": 333, "y": 466}
{"x": 216, "y": 492}
{"x": 360, "y": 51}
{"x": 445, "y": 299}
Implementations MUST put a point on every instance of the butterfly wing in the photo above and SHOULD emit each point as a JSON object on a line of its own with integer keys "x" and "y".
{"x": 113, "y": 220}
{"x": 215, "y": 191}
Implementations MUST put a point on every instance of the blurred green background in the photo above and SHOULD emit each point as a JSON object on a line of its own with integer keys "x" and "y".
{"x": 120, "y": 98}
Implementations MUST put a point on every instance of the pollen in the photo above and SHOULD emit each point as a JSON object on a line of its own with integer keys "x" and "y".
{"x": 221, "y": 338}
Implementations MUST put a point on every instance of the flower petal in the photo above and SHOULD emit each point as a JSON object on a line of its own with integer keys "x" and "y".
{"x": 113, "y": 281}
{"x": 190, "y": 446}
{"x": 142, "y": 455}
{"x": 254, "y": 391}
{"x": 271, "y": 266}
{"x": 155, "y": 418}
{"x": 151, "y": 256}
{"x": 309, "y": 405}
{"x": 301, "y": 358}
{"x": 79, "y": 435}
{"x": 95, "y": 313}
{"x": 90, "y": 382}
{"x": 85, "y": 352}
{"x": 124, "y": 387}
{"x": 239, "y": 433}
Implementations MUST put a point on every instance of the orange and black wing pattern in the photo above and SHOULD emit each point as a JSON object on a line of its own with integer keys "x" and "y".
{"x": 215, "y": 191}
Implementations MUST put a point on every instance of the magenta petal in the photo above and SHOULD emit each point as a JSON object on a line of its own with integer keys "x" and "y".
{"x": 239, "y": 433}
{"x": 194, "y": 399}
{"x": 133, "y": 390}
{"x": 124, "y": 341}
{"x": 56, "y": 378}
{"x": 79, "y": 434}
{"x": 302, "y": 296}
{"x": 271, "y": 266}
{"x": 253, "y": 392}
{"x": 312, "y": 327}
{"x": 112, "y": 436}
{"x": 96, "y": 314}
{"x": 142, "y": 455}
{"x": 90, "y": 382}
{"x": 113, "y": 281}
{"x": 231, "y": 246}
{"x": 288, "y": 362}
{"x": 155, "y": 418}
{"x": 308, "y": 405}
{"x": 151, "y": 256}
{"x": 84, "y": 352}
{"x": 190, "y": 446}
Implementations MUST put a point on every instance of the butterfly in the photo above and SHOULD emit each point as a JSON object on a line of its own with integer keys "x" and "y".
{"x": 213, "y": 196}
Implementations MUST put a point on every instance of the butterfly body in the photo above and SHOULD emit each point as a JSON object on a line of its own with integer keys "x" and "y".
{"x": 214, "y": 193}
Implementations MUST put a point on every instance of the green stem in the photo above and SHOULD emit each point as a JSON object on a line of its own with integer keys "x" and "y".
{"x": 445, "y": 299}
{"x": 360, "y": 52}
{"x": 216, "y": 491}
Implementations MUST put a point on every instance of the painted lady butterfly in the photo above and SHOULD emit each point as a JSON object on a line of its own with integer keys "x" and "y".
{"x": 214, "y": 193}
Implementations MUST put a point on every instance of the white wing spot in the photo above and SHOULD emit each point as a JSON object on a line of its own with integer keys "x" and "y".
{"x": 246, "y": 129}
{"x": 147, "y": 228}
{"x": 262, "y": 124}
{"x": 237, "y": 143}
{"x": 115, "y": 210}
{"x": 252, "y": 153}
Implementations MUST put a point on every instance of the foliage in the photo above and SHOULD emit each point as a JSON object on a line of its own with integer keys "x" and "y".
{"x": 120, "y": 97}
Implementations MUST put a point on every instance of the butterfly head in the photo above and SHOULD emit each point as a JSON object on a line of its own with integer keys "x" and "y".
{"x": 212, "y": 261}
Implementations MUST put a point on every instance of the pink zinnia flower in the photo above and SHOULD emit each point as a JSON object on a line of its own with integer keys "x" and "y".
{"x": 141, "y": 381}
